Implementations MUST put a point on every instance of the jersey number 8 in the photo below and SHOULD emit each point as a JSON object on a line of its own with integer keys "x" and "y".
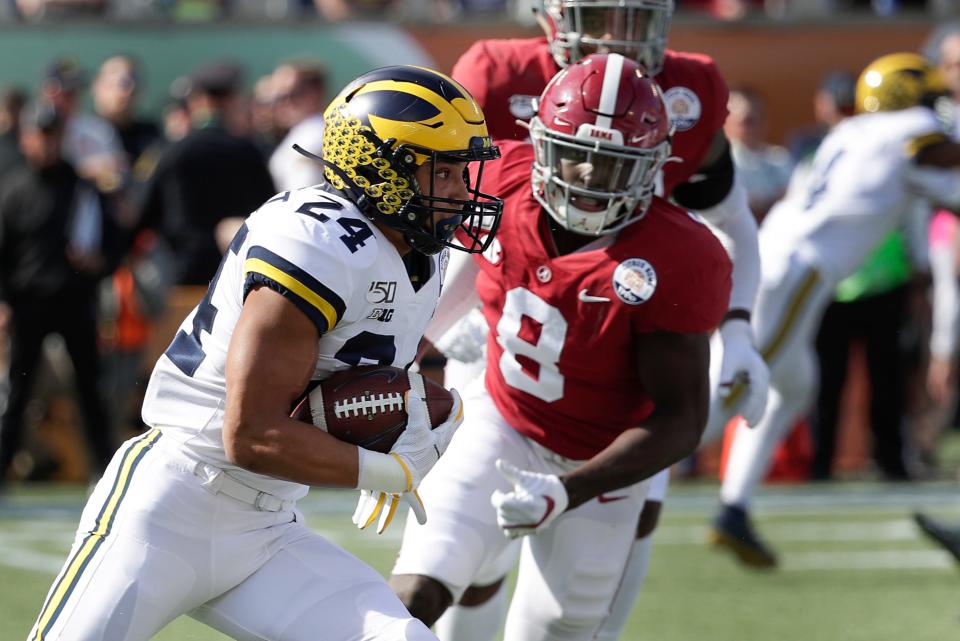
{"x": 544, "y": 350}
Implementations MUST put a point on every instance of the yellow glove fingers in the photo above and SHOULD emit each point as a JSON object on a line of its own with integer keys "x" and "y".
{"x": 376, "y": 511}
{"x": 387, "y": 516}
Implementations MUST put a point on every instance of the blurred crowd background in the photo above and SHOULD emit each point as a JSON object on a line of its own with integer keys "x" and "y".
{"x": 129, "y": 148}
{"x": 431, "y": 10}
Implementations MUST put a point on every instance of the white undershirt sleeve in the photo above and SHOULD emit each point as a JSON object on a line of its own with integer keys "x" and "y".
{"x": 458, "y": 297}
{"x": 734, "y": 225}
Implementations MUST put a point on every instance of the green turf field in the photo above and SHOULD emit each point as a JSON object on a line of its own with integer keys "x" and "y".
{"x": 854, "y": 565}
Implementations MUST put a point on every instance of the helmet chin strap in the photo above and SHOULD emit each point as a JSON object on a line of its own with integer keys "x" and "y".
{"x": 570, "y": 212}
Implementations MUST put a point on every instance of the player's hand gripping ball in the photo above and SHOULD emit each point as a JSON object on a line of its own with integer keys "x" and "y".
{"x": 366, "y": 406}
{"x": 386, "y": 410}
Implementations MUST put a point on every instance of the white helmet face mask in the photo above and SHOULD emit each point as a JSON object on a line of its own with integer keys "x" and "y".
{"x": 636, "y": 29}
{"x": 590, "y": 188}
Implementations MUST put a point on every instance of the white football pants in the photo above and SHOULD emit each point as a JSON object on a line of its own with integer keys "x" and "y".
{"x": 155, "y": 542}
{"x": 569, "y": 573}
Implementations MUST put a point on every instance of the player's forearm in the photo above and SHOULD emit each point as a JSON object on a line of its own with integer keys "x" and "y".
{"x": 635, "y": 455}
{"x": 292, "y": 450}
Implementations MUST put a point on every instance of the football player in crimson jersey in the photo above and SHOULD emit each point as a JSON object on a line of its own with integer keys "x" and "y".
{"x": 601, "y": 298}
{"x": 506, "y": 75}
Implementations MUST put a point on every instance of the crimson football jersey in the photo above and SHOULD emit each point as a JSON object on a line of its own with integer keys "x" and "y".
{"x": 503, "y": 75}
{"x": 561, "y": 362}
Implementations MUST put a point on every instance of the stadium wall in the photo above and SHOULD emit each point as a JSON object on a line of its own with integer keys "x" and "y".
{"x": 782, "y": 61}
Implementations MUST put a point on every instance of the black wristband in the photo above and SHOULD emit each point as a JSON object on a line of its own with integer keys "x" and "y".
{"x": 737, "y": 313}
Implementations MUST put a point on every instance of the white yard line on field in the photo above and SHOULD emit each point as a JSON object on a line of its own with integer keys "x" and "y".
{"x": 827, "y": 531}
{"x": 876, "y": 560}
{"x": 22, "y": 557}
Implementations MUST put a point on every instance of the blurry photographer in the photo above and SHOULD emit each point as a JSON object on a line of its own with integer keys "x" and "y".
{"x": 55, "y": 244}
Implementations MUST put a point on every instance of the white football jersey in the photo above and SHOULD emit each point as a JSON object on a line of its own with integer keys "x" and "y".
{"x": 862, "y": 184}
{"x": 323, "y": 255}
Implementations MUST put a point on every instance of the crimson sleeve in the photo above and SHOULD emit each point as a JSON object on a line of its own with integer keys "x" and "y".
{"x": 473, "y": 71}
{"x": 693, "y": 294}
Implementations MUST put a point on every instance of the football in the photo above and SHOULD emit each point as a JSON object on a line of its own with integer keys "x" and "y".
{"x": 366, "y": 406}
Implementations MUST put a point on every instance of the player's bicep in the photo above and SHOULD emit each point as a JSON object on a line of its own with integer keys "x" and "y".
{"x": 674, "y": 371}
{"x": 271, "y": 358}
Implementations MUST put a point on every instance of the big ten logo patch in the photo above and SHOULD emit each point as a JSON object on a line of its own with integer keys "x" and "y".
{"x": 382, "y": 314}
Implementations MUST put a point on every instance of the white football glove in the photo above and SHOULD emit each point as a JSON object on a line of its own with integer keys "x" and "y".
{"x": 372, "y": 504}
{"x": 744, "y": 376}
{"x": 534, "y": 503}
{"x": 387, "y": 479}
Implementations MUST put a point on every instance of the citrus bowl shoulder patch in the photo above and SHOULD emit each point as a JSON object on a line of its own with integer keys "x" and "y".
{"x": 634, "y": 281}
{"x": 523, "y": 107}
{"x": 684, "y": 107}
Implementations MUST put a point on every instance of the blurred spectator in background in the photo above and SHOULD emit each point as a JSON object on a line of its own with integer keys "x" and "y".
{"x": 176, "y": 120}
{"x": 301, "y": 94}
{"x": 763, "y": 168}
{"x": 263, "y": 116}
{"x": 337, "y": 10}
{"x": 935, "y": 404}
{"x": 948, "y": 61}
{"x": 204, "y": 178}
{"x": 90, "y": 143}
{"x": 12, "y": 100}
{"x": 941, "y": 380}
{"x": 832, "y": 102}
{"x": 132, "y": 298}
{"x": 56, "y": 239}
{"x": 870, "y": 305}
{"x": 35, "y": 10}
{"x": 115, "y": 92}
{"x": 722, "y": 9}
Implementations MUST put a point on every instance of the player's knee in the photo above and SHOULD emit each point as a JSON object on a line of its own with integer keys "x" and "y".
{"x": 479, "y": 594}
{"x": 424, "y": 597}
{"x": 649, "y": 517}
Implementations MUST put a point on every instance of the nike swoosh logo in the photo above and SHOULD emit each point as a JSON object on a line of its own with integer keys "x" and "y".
{"x": 603, "y": 498}
{"x": 587, "y": 298}
{"x": 533, "y": 526}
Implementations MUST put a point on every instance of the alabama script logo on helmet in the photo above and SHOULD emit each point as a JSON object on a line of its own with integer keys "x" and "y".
{"x": 634, "y": 281}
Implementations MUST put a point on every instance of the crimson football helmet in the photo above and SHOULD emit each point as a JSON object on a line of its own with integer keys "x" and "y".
{"x": 636, "y": 29}
{"x": 600, "y": 137}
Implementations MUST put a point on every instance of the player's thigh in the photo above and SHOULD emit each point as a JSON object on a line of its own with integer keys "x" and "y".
{"x": 788, "y": 313}
{"x": 119, "y": 582}
{"x": 311, "y": 589}
{"x": 461, "y": 544}
{"x": 569, "y": 574}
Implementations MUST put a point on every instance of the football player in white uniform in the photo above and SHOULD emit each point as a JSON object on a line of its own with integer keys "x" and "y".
{"x": 199, "y": 515}
{"x": 865, "y": 175}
